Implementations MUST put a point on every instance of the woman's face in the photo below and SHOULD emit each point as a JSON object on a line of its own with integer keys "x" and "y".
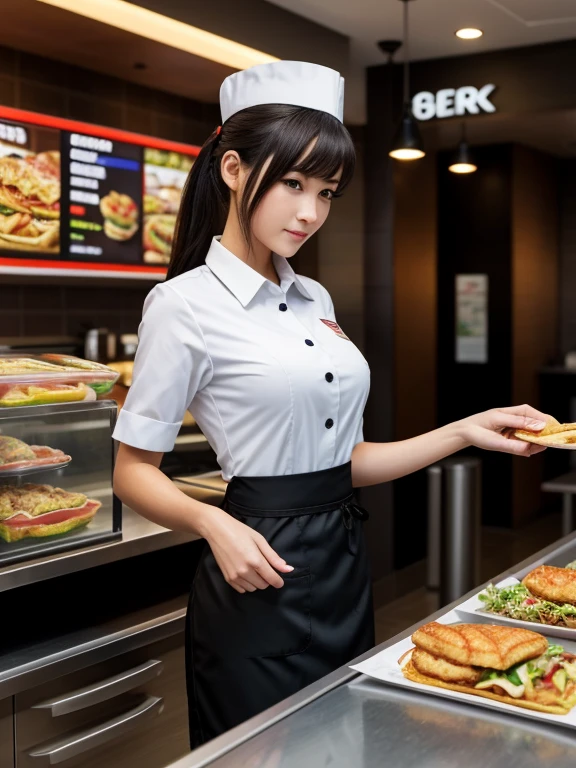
{"x": 292, "y": 211}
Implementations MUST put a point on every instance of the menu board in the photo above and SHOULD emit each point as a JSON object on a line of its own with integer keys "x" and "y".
{"x": 77, "y": 197}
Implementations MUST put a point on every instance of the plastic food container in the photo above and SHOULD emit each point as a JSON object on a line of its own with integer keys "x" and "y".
{"x": 47, "y": 378}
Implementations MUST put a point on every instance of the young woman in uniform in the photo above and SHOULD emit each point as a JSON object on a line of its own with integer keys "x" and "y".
{"x": 282, "y": 594}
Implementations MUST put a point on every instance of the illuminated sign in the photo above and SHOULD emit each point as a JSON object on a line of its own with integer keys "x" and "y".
{"x": 453, "y": 102}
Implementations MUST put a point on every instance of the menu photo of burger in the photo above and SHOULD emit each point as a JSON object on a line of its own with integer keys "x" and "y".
{"x": 120, "y": 214}
{"x": 165, "y": 176}
{"x": 29, "y": 198}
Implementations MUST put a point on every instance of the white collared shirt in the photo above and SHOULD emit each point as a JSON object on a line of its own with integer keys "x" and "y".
{"x": 274, "y": 389}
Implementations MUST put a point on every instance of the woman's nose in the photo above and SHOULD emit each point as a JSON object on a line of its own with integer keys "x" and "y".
{"x": 308, "y": 212}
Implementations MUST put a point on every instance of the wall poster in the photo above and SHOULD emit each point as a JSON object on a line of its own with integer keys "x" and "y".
{"x": 471, "y": 318}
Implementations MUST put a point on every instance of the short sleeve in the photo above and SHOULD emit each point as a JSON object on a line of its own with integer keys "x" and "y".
{"x": 171, "y": 365}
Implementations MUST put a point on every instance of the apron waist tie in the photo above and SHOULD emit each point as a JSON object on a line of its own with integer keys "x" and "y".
{"x": 351, "y": 511}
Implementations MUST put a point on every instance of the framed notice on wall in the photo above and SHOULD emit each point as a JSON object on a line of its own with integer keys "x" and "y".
{"x": 80, "y": 199}
{"x": 471, "y": 318}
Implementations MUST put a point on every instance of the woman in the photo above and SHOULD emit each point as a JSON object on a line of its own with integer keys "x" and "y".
{"x": 282, "y": 592}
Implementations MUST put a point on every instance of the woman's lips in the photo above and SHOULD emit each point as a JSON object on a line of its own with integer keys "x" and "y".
{"x": 297, "y": 234}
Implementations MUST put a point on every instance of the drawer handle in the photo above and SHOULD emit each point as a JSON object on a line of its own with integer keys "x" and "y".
{"x": 84, "y": 741}
{"x": 103, "y": 690}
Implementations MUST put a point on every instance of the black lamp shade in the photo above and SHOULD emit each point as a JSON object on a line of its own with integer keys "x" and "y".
{"x": 463, "y": 160}
{"x": 407, "y": 144}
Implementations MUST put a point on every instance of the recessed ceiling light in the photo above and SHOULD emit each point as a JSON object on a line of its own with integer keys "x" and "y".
{"x": 469, "y": 33}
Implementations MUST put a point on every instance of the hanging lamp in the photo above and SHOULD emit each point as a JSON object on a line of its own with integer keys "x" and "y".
{"x": 407, "y": 144}
{"x": 463, "y": 160}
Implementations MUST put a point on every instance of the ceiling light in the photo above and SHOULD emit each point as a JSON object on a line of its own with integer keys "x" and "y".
{"x": 469, "y": 33}
{"x": 407, "y": 144}
{"x": 163, "y": 29}
{"x": 463, "y": 162}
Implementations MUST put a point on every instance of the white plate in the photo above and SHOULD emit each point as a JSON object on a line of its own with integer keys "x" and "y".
{"x": 384, "y": 666}
{"x": 473, "y": 610}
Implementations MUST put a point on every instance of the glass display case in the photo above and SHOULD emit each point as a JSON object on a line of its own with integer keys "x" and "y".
{"x": 56, "y": 465}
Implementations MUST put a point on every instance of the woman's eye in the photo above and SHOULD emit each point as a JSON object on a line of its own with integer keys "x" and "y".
{"x": 292, "y": 183}
{"x": 328, "y": 194}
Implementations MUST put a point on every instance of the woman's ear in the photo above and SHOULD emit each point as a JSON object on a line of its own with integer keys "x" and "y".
{"x": 231, "y": 170}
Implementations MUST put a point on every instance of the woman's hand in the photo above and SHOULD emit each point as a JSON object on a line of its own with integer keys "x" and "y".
{"x": 244, "y": 556}
{"x": 485, "y": 430}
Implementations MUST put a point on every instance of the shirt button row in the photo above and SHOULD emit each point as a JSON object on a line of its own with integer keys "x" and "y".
{"x": 283, "y": 307}
{"x": 329, "y": 377}
{"x": 309, "y": 342}
{"x": 329, "y": 423}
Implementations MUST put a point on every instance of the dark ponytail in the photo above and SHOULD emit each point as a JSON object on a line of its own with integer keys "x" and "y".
{"x": 277, "y": 131}
{"x": 203, "y": 211}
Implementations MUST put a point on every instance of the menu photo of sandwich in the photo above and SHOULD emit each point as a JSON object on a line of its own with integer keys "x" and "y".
{"x": 165, "y": 175}
{"x": 120, "y": 214}
{"x": 29, "y": 199}
{"x": 38, "y": 511}
{"x": 514, "y": 666}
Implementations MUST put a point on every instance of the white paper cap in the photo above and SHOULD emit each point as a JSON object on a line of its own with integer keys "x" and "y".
{"x": 284, "y": 82}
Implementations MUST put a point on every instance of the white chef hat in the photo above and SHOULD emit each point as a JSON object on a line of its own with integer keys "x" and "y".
{"x": 284, "y": 82}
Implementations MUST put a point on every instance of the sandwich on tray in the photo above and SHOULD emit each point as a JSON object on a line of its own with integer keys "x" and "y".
{"x": 513, "y": 666}
{"x": 31, "y": 511}
{"x": 16, "y": 454}
{"x": 547, "y": 595}
{"x": 553, "y": 435}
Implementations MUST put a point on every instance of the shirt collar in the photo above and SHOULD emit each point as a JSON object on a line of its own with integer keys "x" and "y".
{"x": 243, "y": 281}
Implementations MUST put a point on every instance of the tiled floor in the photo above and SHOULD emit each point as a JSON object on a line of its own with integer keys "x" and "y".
{"x": 500, "y": 549}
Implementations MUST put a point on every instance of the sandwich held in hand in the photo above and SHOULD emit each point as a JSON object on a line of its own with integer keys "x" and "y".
{"x": 15, "y": 454}
{"x": 553, "y": 435}
{"x": 41, "y": 510}
{"x": 514, "y": 666}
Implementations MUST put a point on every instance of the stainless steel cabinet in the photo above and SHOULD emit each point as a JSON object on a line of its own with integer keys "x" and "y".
{"x": 128, "y": 711}
{"x": 6, "y": 734}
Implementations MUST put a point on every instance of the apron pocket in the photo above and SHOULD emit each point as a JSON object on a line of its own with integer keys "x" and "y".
{"x": 271, "y": 622}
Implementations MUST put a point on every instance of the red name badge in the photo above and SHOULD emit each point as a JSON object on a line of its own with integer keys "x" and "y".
{"x": 335, "y": 327}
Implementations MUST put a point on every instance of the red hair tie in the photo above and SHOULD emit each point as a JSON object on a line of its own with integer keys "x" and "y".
{"x": 218, "y": 130}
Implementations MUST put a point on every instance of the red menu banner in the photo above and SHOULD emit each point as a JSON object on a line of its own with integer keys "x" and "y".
{"x": 83, "y": 199}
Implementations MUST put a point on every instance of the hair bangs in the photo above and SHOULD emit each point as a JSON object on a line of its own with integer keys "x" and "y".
{"x": 333, "y": 152}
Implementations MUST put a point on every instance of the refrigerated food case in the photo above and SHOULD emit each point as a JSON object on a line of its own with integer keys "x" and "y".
{"x": 56, "y": 466}
{"x": 348, "y": 720}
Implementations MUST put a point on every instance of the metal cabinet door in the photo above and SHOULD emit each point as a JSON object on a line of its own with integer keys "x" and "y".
{"x": 127, "y": 712}
{"x": 7, "y": 733}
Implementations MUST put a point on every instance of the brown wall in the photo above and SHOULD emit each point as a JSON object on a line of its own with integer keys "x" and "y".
{"x": 534, "y": 298}
{"x": 42, "y": 85}
{"x": 415, "y": 297}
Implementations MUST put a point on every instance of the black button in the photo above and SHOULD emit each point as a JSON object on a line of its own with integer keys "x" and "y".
{"x": 329, "y": 424}
{"x": 310, "y": 343}
{"x": 282, "y": 307}
{"x": 329, "y": 377}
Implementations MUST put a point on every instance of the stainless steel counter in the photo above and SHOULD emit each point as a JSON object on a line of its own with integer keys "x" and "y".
{"x": 346, "y": 720}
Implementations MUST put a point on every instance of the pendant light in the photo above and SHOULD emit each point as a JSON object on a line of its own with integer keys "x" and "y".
{"x": 463, "y": 161}
{"x": 407, "y": 144}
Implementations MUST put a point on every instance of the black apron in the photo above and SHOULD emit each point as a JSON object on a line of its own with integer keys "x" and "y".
{"x": 246, "y": 652}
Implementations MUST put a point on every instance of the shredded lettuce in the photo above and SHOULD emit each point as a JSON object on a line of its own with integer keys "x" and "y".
{"x": 517, "y": 602}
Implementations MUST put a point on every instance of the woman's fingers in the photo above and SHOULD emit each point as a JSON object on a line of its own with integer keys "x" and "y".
{"x": 526, "y": 411}
{"x": 508, "y": 420}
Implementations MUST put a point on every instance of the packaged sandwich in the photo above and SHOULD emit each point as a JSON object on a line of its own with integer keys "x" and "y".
{"x": 547, "y": 595}
{"x": 17, "y": 455}
{"x": 43, "y": 379}
{"x": 505, "y": 664}
{"x": 31, "y": 511}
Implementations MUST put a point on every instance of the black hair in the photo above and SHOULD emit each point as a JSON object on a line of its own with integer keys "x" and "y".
{"x": 278, "y": 131}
